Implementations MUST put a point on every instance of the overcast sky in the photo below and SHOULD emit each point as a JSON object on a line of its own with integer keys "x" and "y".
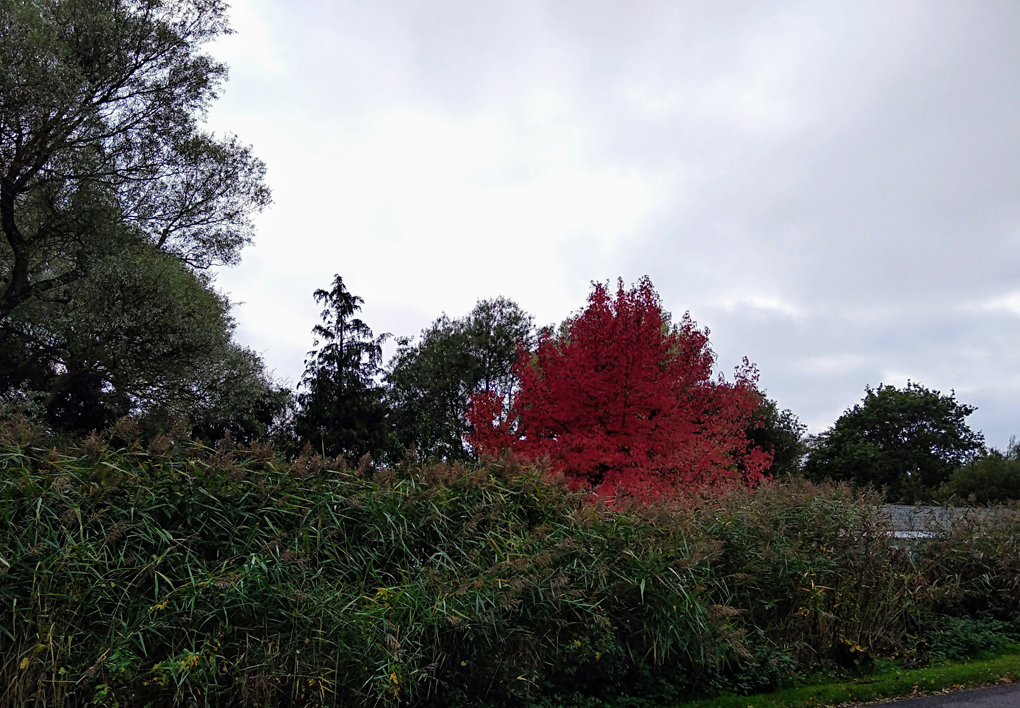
{"x": 832, "y": 188}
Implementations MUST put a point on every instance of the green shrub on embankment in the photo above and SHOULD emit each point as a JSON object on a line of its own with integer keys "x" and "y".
{"x": 178, "y": 573}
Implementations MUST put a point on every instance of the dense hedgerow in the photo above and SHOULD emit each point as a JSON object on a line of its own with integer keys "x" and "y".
{"x": 176, "y": 573}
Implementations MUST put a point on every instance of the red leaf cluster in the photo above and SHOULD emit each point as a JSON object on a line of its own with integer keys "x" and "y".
{"x": 624, "y": 402}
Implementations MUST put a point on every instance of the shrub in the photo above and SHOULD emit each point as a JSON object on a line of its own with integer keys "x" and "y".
{"x": 962, "y": 637}
{"x": 230, "y": 577}
{"x": 991, "y": 478}
{"x": 812, "y": 567}
{"x": 972, "y": 567}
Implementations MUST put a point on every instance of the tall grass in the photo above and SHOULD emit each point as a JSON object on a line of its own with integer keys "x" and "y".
{"x": 175, "y": 573}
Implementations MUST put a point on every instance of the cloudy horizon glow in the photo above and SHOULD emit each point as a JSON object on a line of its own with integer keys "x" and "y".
{"x": 833, "y": 189}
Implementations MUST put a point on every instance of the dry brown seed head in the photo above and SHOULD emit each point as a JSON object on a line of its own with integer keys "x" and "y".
{"x": 161, "y": 444}
{"x": 364, "y": 465}
{"x": 116, "y": 531}
{"x": 722, "y": 611}
{"x": 126, "y": 428}
{"x": 94, "y": 445}
{"x": 384, "y": 477}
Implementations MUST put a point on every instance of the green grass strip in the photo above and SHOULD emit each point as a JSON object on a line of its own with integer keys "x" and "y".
{"x": 891, "y": 684}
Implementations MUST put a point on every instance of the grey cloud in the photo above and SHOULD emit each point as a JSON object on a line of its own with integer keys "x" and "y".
{"x": 895, "y": 203}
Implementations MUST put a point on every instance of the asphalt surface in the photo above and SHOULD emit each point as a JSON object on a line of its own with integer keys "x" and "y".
{"x": 996, "y": 697}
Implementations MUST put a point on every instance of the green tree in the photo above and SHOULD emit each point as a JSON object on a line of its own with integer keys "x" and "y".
{"x": 991, "y": 478}
{"x": 143, "y": 334}
{"x": 342, "y": 411}
{"x": 99, "y": 123}
{"x": 234, "y": 392}
{"x": 429, "y": 383}
{"x": 780, "y": 433}
{"x": 907, "y": 441}
{"x": 113, "y": 200}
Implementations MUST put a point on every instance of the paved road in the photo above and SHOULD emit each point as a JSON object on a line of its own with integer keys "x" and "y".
{"x": 997, "y": 697}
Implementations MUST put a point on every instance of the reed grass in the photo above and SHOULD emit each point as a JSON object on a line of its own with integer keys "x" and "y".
{"x": 176, "y": 574}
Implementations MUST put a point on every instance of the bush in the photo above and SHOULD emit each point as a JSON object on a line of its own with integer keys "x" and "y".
{"x": 971, "y": 568}
{"x": 991, "y": 478}
{"x": 962, "y": 637}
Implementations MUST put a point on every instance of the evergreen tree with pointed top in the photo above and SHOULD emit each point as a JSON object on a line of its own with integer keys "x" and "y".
{"x": 341, "y": 407}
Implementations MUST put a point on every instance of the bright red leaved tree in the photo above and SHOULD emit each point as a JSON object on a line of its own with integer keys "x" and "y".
{"x": 625, "y": 402}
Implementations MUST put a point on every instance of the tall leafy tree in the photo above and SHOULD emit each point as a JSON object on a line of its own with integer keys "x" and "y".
{"x": 780, "y": 434}
{"x": 342, "y": 410}
{"x": 113, "y": 199}
{"x": 430, "y": 383}
{"x": 100, "y": 123}
{"x": 142, "y": 334}
{"x": 624, "y": 401}
{"x": 907, "y": 441}
{"x": 235, "y": 393}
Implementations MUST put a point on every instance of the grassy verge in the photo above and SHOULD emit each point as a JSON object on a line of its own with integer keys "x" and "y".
{"x": 892, "y": 683}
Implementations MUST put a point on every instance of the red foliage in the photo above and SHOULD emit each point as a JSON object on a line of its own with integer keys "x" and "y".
{"x": 624, "y": 402}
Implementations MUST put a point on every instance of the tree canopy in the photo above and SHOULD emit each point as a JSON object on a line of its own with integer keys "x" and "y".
{"x": 141, "y": 333}
{"x": 430, "y": 383}
{"x": 100, "y": 123}
{"x": 113, "y": 199}
{"x": 992, "y": 478}
{"x": 624, "y": 401}
{"x": 780, "y": 434}
{"x": 907, "y": 441}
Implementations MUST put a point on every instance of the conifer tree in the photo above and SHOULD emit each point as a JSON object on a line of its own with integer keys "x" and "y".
{"x": 341, "y": 406}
